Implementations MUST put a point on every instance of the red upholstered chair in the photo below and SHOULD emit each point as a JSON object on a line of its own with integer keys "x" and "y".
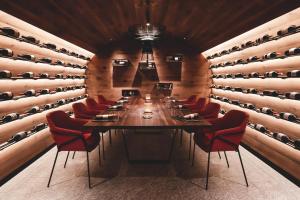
{"x": 70, "y": 135}
{"x": 93, "y": 105}
{"x": 225, "y": 135}
{"x": 103, "y": 100}
{"x": 197, "y": 106}
{"x": 190, "y": 100}
{"x": 81, "y": 111}
{"x": 210, "y": 111}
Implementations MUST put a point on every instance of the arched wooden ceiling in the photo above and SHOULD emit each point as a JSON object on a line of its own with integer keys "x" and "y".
{"x": 93, "y": 24}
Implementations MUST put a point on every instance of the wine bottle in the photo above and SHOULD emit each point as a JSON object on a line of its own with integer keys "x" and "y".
{"x": 292, "y": 51}
{"x": 59, "y": 76}
{"x": 288, "y": 116}
{"x": 260, "y": 128}
{"x": 5, "y": 74}
{"x": 293, "y": 73}
{"x": 6, "y": 95}
{"x": 45, "y": 91}
{"x": 59, "y": 89}
{"x": 235, "y": 102}
{"x": 18, "y": 136}
{"x": 239, "y": 75}
{"x": 6, "y": 52}
{"x": 212, "y": 96}
{"x": 281, "y": 137}
{"x": 33, "y": 110}
{"x": 44, "y": 75}
{"x": 272, "y": 93}
{"x": 45, "y": 60}
{"x": 249, "y": 106}
{"x": 297, "y": 144}
{"x": 266, "y": 110}
{"x": 266, "y": 38}
{"x": 238, "y": 89}
{"x": 228, "y": 63}
{"x": 61, "y": 101}
{"x": 293, "y": 95}
{"x": 239, "y": 61}
{"x": 235, "y": 48}
{"x": 228, "y": 75}
{"x": 48, "y": 106}
{"x": 49, "y": 46}
{"x": 252, "y": 59}
{"x": 8, "y": 31}
{"x": 84, "y": 67}
{"x": 29, "y": 93}
{"x": 271, "y": 74}
{"x": 271, "y": 55}
{"x": 39, "y": 127}
{"x": 69, "y": 76}
{"x": 10, "y": 117}
{"x": 219, "y": 87}
{"x": 225, "y": 99}
{"x": 252, "y": 91}
{"x": 59, "y": 62}
{"x": 63, "y": 50}
{"x": 253, "y": 75}
{"x": 30, "y": 39}
{"x": 27, "y": 75}
{"x": 222, "y": 111}
{"x": 27, "y": 57}
{"x": 227, "y": 88}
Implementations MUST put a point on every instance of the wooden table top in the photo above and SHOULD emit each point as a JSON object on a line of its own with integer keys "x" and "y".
{"x": 132, "y": 117}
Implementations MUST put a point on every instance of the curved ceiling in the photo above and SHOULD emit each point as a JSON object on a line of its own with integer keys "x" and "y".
{"x": 93, "y": 24}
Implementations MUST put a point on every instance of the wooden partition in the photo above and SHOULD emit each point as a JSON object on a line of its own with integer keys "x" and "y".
{"x": 34, "y": 97}
{"x": 231, "y": 92}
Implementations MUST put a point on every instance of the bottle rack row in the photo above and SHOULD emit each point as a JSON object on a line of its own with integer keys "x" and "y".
{"x": 264, "y": 110}
{"x": 294, "y": 143}
{"x": 270, "y": 74}
{"x": 5, "y": 74}
{"x": 269, "y": 56}
{"x": 13, "y": 33}
{"x": 5, "y": 96}
{"x": 7, "y": 53}
{"x": 266, "y": 38}
{"x": 38, "y": 109}
{"x": 271, "y": 93}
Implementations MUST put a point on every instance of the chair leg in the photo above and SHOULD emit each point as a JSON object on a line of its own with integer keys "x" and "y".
{"x": 103, "y": 148}
{"x": 88, "y": 167}
{"x": 73, "y": 155}
{"x": 66, "y": 159}
{"x": 52, "y": 169}
{"x": 115, "y": 131}
{"x": 207, "y": 172}
{"x": 99, "y": 155}
{"x": 243, "y": 168}
{"x": 190, "y": 147}
{"x": 219, "y": 154}
{"x": 181, "y": 135}
{"x": 110, "y": 139}
{"x": 226, "y": 159}
{"x": 194, "y": 154}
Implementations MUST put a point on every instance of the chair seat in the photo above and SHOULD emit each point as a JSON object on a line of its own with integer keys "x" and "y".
{"x": 92, "y": 141}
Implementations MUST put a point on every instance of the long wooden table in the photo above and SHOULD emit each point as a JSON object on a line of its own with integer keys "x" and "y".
{"x": 131, "y": 118}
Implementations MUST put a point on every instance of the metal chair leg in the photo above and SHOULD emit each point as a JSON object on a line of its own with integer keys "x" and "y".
{"x": 99, "y": 155}
{"x": 207, "y": 173}
{"x": 243, "y": 168}
{"x": 110, "y": 139}
{"x": 226, "y": 159}
{"x": 73, "y": 155}
{"x": 88, "y": 167}
{"x": 194, "y": 153}
{"x": 219, "y": 154}
{"x": 103, "y": 148}
{"x": 66, "y": 159}
{"x": 181, "y": 136}
{"x": 190, "y": 147}
{"x": 52, "y": 169}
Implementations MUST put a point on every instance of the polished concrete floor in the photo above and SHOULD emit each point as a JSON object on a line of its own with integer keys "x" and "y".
{"x": 117, "y": 179}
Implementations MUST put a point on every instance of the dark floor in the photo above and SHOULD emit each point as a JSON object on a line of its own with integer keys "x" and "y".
{"x": 117, "y": 179}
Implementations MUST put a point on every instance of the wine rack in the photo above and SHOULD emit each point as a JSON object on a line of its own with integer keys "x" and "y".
{"x": 262, "y": 77}
{"x": 39, "y": 73}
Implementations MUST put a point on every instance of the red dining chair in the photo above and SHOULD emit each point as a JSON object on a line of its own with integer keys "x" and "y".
{"x": 70, "y": 135}
{"x": 93, "y": 105}
{"x": 197, "y": 106}
{"x": 81, "y": 111}
{"x": 103, "y": 100}
{"x": 190, "y": 100}
{"x": 225, "y": 134}
{"x": 210, "y": 111}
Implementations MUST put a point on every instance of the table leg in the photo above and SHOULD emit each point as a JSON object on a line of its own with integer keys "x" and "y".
{"x": 172, "y": 144}
{"x": 125, "y": 145}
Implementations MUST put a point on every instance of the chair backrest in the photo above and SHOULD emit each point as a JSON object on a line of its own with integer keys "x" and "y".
{"x": 200, "y": 103}
{"x": 101, "y": 99}
{"x": 91, "y": 103}
{"x": 234, "y": 118}
{"x": 58, "y": 119}
{"x": 80, "y": 110}
{"x": 211, "y": 110}
{"x": 191, "y": 99}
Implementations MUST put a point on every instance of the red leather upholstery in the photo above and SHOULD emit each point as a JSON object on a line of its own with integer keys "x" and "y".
{"x": 93, "y": 105}
{"x": 197, "y": 106}
{"x": 69, "y": 134}
{"x": 103, "y": 100}
{"x": 81, "y": 111}
{"x": 210, "y": 111}
{"x": 225, "y": 134}
{"x": 192, "y": 99}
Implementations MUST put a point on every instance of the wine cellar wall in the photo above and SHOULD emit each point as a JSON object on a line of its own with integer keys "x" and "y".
{"x": 39, "y": 73}
{"x": 259, "y": 72}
